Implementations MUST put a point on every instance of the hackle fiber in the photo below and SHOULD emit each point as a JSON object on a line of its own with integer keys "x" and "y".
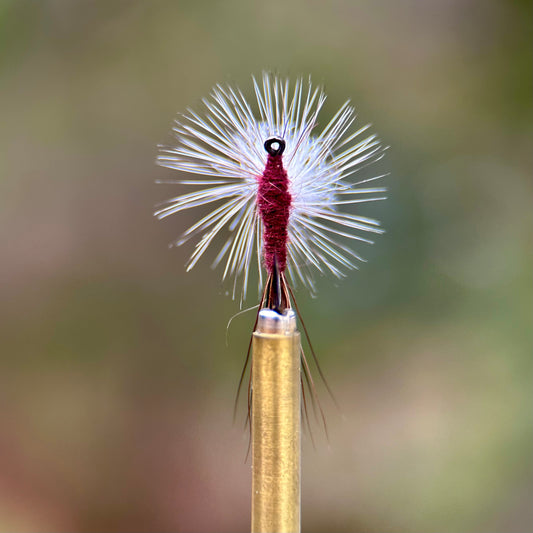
{"x": 225, "y": 145}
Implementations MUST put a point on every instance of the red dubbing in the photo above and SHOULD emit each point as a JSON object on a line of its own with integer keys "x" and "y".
{"x": 274, "y": 202}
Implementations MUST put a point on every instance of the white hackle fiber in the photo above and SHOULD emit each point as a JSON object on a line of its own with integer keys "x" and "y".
{"x": 225, "y": 146}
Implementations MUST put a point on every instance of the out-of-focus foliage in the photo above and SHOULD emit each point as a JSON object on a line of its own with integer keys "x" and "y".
{"x": 116, "y": 384}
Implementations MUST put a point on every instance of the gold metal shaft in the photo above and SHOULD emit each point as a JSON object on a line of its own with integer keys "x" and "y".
{"x": 276, "y": 424}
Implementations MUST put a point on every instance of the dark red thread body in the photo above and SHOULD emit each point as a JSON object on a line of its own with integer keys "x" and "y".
{"x": 274, "y": 203}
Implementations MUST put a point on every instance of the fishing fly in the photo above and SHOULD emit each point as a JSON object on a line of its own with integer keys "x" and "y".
{"x": 278, "y": 187}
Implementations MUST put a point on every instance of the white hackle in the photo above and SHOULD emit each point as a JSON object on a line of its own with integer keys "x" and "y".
{"x": 226, "y": 145}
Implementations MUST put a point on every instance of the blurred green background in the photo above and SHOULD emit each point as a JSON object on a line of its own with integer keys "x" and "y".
{"x": 116, "y": 383}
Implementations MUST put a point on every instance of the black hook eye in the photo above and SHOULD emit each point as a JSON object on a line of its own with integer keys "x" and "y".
{"x": 275, "y": 146}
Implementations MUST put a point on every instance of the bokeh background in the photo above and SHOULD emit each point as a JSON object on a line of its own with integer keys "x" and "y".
{"x": 116, "y": 381}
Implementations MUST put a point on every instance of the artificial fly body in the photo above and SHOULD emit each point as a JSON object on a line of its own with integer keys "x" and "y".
{"x": 273, "y": 204}
{"x": 277, "y": 186}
